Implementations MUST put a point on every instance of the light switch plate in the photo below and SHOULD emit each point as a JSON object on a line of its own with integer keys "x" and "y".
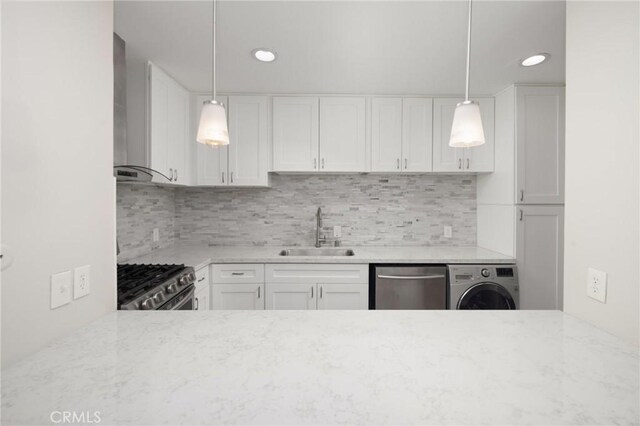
{"x": 337, "y": 231}
{"x": 156, "y": 235}
{"x": 60, "y": 289}
{"x": 448, "y": 232}
{"x": 81, "y": 281}
{"x": 597, "y": 285}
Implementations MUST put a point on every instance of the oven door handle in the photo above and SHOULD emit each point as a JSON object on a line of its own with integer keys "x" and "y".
{"x": 185, "y": 299}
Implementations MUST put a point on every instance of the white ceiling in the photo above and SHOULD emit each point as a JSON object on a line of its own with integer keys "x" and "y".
{"x": 377, "y": 47}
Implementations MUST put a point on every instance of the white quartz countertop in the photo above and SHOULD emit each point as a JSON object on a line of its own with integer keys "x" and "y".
{"x": 201, "y": 255}
{"x": 330, "y": 367}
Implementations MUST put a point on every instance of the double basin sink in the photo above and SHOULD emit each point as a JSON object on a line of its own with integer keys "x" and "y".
{"x": 316, "y": 252}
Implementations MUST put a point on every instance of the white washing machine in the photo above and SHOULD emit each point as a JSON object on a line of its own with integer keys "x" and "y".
{"x": 483, "y": 287}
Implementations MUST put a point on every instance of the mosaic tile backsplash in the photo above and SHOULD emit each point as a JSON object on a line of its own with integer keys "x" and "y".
{"x": 140, "y": 209}
{"x": 380, "y": 210}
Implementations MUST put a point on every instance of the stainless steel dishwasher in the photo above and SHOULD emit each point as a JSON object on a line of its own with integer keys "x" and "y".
{"x": 410, "y": 287}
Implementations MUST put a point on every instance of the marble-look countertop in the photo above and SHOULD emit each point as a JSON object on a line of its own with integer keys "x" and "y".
{"x": 202, "y": 255}
{"x": 330, "y": 367}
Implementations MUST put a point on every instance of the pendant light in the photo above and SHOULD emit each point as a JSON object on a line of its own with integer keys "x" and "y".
{"x": 466, "y": 130}
{"x": 212, "y": 129}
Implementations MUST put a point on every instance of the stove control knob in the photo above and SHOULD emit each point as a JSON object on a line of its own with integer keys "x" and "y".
{"x": 184, "y": 280}
{"x": 147, "y": 304}
{"x": 485, "y": 272}
{"x": 158, "y": 297}
{"x": 172, "y": 288}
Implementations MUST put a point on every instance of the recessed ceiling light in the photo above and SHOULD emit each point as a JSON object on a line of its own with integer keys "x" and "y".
{"x": 536, "y": 59}
{"x": 264, "y": 55}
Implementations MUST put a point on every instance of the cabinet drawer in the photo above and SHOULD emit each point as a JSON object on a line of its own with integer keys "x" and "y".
{"x": 317, "y": 273}
{"x": 202, "y": 278}
{"x": 237, "y": 273}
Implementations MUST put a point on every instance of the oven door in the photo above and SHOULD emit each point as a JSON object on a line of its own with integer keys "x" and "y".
{"x": 183, "y": 301}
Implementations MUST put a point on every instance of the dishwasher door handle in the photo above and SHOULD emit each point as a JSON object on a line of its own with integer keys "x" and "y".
{"x": 405, "y": 277}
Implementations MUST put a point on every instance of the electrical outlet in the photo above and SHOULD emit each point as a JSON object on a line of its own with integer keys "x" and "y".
{"x": 156, "y": 235}
{"x": 597, "y": 285}
{"x": 448, "y": 232}
{"x": 81, "y": 281}
{"x": 60, "y": 289}
{"x": 337, "y": 231}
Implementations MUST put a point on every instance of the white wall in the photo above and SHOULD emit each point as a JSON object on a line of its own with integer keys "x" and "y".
{"x": 58, "y": 193}
{"x": 602, "y": 180}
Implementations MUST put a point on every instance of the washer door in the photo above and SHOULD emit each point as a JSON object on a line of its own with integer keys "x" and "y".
{"x": 486, "y": 296}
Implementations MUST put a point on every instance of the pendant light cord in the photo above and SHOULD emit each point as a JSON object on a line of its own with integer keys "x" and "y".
{"x": 466, "y": 95}
{"x": 213, "y": 53}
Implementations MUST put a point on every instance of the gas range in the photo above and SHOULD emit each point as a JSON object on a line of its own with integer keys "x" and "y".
{"x": 155, "y": 287}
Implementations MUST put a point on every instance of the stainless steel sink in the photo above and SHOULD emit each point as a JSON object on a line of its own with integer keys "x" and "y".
{"x": 316, "y": 252}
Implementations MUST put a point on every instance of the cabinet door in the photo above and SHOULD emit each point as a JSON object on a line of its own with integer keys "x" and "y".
{"x": 237, "y": 296}
{"x": 540, "y": 145}
{"x": 291, "y": 296}
{"x": 386, "y": 134}
{"x": 342, "y": 135}
{"x": 343, "y": 296}
{"x": 211, "y": 161}
{"x": 202, "y": 300}
{"x": 178, "y": 133}
{"x": 445, "y": 158}
{"x": 158, "y": 116}
{"x": 539, "y": 254}
{"x": 417, "y": 134}
{"x": 295, "y": 134}
{"x": 248, "y": 154}
{"x": 481, "y": 158}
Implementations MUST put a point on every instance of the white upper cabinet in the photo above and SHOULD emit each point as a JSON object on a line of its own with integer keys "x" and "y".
{"x": 342, "y": 134}
{"x": 417, "y": 135}
{"x": 295, "y": 134}
{"x": 168, "y": 126}
{"x": 386, "y": 134}
{"x": 245, "y": 161}
{"x": 448, "y": 159}
{"x": 211, "y": 161}
{"x": 248, "y": 146}
{"x": 539, "y": 145}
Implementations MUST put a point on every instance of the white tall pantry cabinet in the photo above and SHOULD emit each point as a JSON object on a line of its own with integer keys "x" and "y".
{"x": 520, "y": 205}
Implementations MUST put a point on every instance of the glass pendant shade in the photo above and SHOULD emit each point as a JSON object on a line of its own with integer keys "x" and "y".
{"x": 466, "y": 130}
{"x": 212, "y": 129}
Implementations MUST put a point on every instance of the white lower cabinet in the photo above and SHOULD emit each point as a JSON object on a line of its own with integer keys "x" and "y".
{"x": 202, "y": 299}
{"x": 312, "y": 286}
{"x": 343, "y": 296}
{"x": 237, "y": 296}
{"x": 539, "y": 253}
{"x": 283, "y": 296}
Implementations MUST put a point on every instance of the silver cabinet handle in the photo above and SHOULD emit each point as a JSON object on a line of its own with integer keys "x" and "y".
{"x": 312, "y": 292}
{"x": 231, "y": 177}
{"x": 320, "y": 292}
{"x": 237, "y": 273}
{"x": 405, "y": 277}
{"x": 398, "y": 164}
{"x": 315, "y": 164}
{"x": 521, "y": 215}
{"x": 467, "y": 163}
{"x": 258, "y": 292}
{"x": 323, "y": 163}
{"x": 406, "y": 163}
{"x": 459, "y": 163}
{"x": 522, "y": 195}
{"x": 222, "y": 177}
{"x": 197, "y": 304}
{"x": 200, "y": 279}
{"x": 170, "y": 175}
